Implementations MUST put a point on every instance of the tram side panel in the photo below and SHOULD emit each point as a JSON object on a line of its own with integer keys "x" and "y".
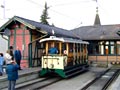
{"x": 54, "y": 62}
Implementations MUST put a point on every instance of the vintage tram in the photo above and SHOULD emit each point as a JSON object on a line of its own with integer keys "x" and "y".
{"x": 71, "y": 58}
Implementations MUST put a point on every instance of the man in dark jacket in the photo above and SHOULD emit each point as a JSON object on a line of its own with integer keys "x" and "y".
{"x": 17, "y": 56}
{"x": 12, "y": 73}
{"x": 11, "y": 52}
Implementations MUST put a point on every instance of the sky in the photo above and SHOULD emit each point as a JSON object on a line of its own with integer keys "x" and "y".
{"x": 66, "y": 14}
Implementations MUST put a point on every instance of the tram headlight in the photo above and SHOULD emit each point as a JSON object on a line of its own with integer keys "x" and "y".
{"x": 45, "y": 62}
{"x": 51, "y": 66}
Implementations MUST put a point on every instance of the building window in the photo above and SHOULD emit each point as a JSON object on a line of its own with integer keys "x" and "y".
{"x": 104, "y": 48}
{"x": 107, "y": 47}
{"x": 101, "y": 47}
{"x": 93, "y": 48}
{"x": 118, "y": 47}
{"x": 112, "y": 47}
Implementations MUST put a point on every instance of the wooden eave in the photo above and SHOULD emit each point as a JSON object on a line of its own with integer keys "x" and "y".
{"x": 19, "y": 20}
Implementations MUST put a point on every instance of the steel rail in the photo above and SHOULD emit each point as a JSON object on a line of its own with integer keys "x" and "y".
{"x": 40, "y": 84}
{"x": 108, "y": 77}
{"x": 94, "y": 80}
{"x": 116, "y": 74}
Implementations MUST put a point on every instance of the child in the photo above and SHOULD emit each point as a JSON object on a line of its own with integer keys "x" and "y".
{"x": 12, "y": 73}
{"x": 1, "y": 64}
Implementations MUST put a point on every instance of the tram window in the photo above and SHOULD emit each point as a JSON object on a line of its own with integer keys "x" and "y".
{"x": 49, "y": 45}
{"x": 82, "y": 48}
{"x": 78, "y": 47}
{"x": 51, "y": 49}
{"x": 57, "y": 46}
{"x": 71, "y": 47}
{"x": 63, "y": 47}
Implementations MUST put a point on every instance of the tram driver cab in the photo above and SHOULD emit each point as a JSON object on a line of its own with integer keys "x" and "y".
{"x": 53, "y": 49}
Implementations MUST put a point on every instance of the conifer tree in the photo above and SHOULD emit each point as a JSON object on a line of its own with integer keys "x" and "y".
{"x": 44, "y": 15}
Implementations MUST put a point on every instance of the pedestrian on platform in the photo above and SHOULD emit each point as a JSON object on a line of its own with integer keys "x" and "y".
{"x": 17, "y": 56}
{"x": 12, "y": 74}
{"x": 11, "y": 52}
{"x": 1, "y": 63}
{"x": 7, "y": 57}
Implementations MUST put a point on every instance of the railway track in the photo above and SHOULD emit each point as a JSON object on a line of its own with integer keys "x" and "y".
{"x": 103, "y": 81}
{"x": 39, "y": 84}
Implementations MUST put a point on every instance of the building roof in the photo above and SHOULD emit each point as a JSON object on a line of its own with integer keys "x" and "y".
{"x": 98, "y": 32}
{"x": 33, "y": 25}
{"x": 97, "y": 18}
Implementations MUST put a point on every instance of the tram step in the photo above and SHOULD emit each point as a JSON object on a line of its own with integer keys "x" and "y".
{"x": 75, "y": 73}
{"x": 76, "y": 70}
{"x": 71, "y": 67}
{"x": 73, "y": 70}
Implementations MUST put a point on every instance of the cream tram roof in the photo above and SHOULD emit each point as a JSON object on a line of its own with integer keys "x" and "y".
{"x": 62, "y": 39}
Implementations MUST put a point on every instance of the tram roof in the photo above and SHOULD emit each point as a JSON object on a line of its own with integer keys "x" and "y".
{"x": 62, "y": 39}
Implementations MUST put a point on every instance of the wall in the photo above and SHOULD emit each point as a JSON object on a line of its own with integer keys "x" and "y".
{"x": 3, "y": 45}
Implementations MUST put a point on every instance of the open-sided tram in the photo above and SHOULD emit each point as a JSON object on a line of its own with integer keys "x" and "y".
{"x": 70, "y": 59}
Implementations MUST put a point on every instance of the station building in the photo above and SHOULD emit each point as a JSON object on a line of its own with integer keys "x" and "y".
{"x": 26, "y": 34}
{"x": 104, "y": 40}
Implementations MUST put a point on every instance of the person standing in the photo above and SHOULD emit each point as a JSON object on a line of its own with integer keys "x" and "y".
{"x": 17, "y": 56}
{"x": 7, "y": 57}
{"x": 12, "y": 74}
{"x": 1, "y": 63}
{"x": 11, "y": 52}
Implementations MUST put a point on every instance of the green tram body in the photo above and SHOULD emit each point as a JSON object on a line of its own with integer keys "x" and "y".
{"x": 72, "y": 56}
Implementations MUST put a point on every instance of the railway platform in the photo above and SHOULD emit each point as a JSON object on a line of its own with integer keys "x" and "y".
{"x": 26, "y": 74}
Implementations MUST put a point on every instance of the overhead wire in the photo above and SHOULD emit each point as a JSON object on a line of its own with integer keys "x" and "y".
{"x": 64, "y": 4}
{"x": 72, "y": 3}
